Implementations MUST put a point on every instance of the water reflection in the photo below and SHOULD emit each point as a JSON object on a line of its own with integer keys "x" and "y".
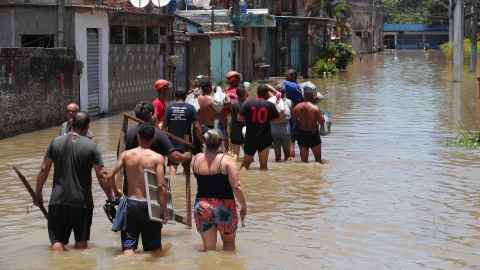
{"x": 390, "y": 196}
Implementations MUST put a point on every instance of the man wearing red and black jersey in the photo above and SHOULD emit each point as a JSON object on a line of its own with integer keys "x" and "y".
{"x": 258, "y": 113}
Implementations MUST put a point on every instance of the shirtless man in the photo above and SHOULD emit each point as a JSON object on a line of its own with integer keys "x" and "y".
{"x": 206, "y": 114}
{"x": 309, "y": 116}
{"x": 136, "y": 216}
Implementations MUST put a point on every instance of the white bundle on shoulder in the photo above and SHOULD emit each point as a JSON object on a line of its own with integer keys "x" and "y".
{"x": 218, "y": 99}
{"x": 192, "y": 99}
{"x": 317, "y": 96}
{"x": 280, "y": 105}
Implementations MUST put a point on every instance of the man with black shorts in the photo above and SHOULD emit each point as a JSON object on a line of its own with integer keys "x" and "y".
{"x": 135, "y": 207}
{"x": 258, "y": 113}
{"x": 236, "y": 137}
{"x": 206, "y": 114}
{"x": 178, "y": 120}
{"x": 294, "y": 93}
{"x": 71, "y": 201}
{"x": 308, "y": 116}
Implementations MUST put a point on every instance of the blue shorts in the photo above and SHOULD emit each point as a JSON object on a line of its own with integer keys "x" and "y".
{"x": 62, "y": 219}
{"x": 222, "y": 129}
{"x": 138, "y": 223}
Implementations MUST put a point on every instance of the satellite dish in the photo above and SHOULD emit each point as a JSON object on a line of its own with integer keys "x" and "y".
{"x": 160, "y": 3}
{"x": 139, "y": 3}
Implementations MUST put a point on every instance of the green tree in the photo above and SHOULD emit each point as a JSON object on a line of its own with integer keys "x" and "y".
{"x": 339, "y": 11}
{"x": 414, "y": 11}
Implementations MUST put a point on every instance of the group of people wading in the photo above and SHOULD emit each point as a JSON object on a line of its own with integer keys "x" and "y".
{"x": 75, "y": 152}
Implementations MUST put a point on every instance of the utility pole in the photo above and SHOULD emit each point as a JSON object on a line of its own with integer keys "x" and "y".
{"x": 236, "y": 6}
{"x": 473, "y": 52}
{"x": 458, "y": 42}
{"x": 60, "y": 23}
{"x": 373, "y": 24}
{"x": 450, "y": 20}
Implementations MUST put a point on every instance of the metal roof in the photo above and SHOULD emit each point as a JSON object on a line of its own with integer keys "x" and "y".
{"x": 301, "y": 19}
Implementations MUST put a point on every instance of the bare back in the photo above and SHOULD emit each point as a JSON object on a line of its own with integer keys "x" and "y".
{"x": 206, "y": 114}
{"x": 135, "y": 161}
{"x": 308, "y": 115}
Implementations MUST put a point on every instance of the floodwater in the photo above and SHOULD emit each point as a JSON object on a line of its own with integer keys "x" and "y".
{"x": 390, "y": 196}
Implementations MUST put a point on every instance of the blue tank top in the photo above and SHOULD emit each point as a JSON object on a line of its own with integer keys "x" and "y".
{"x": 213, "y": 185}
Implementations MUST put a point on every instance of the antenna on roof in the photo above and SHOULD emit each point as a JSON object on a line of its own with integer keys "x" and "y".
{"x": 160, "y": 3}
{"x": 139, "y": 3}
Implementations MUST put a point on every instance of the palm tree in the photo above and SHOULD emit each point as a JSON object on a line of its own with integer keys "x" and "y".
{"x": 339, "y": 11}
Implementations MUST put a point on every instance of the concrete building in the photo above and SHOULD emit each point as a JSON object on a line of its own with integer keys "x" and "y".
{"x": 414, "y": 36}
{"x": 119, "y": 53}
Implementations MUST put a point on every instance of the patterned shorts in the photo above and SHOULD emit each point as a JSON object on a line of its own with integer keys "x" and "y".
{"x": 219, "y": 212}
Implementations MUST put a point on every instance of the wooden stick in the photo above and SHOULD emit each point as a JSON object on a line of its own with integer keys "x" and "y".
{"x": 186, "y": 169}
{"x": 170, "y": 135}
{"x": 121, "y": 147}
{"x": 32, "y": 193}
{"x": 181, "y": 219}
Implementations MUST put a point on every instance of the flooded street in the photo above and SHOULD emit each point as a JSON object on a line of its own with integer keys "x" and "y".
{"x": 390, "y": 196}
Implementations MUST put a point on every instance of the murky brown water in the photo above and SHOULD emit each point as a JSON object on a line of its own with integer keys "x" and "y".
{"x": 391, "y": 195}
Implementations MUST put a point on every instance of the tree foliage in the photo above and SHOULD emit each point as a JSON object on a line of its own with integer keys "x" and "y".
{"x": 429, "y": 12}
{"x": 339, "y": 11}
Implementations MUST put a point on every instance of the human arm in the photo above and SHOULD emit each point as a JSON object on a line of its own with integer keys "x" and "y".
{"x": 42, "y": 177}
{"x": 242, "y": 113}
{"x": 271, "y": 91}
{"x": 227, "y": 103}
{"x": 295, "y": 115}
{"x": 101, "y": 173}
{"x": 234, "y": 180}
{"x": 166, "y": 118}
{"x": 111, "y": 176}
{"x": 91, "y": 136}
{"x": 161, "y": 186}
{"x": 320, "y": 117}
{"x": 241, "y": 118}
{"x": 198, "y": 131}
{"x": 178, "y": 157}
{"x": 164, "y": 147}
{"x": 224, "y": 122}
{"x": 195, "y": 91}
{"x": 164, "y": 127}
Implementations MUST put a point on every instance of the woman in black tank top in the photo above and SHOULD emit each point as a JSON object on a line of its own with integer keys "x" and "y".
{"x": 218, "y": 186}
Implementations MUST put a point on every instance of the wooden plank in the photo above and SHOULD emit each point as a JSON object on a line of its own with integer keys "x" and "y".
{"x": 186, "y": 170}
{"x": 32, "y": 193}
{"x": 121, "y": 147}
{"x": 170, "y": 135}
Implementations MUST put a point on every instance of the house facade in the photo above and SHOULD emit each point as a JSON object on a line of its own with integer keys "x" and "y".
{"x": 414, "y": 36}
{"x": 119, "y": 53}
